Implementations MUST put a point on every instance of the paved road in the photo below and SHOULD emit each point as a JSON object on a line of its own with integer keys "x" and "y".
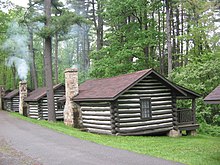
{"x": 43, "y": 146}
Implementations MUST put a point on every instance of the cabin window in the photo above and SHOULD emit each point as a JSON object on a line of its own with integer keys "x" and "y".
{"x": 145, "y": 108}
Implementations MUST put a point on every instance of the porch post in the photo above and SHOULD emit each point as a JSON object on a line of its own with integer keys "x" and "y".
{"x": 194, "y": 110}
{"x": 175, "y": 120}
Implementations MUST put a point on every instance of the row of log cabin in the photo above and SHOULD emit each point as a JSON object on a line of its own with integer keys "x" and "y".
{"x": 36, "y": 102}
{"x": 11, "y": 101}
{"x": 139, "y": 103}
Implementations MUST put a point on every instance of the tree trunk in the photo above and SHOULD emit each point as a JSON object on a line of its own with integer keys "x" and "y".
{"x": 14, "y": 76}
{"x": 159, "y": 41}
{"x": 169, "y": 48}
{"x": 163, "y": 41}
{"x": 32, "y": 55}
{"x": 98, "y": 23}
{"x": 44, "y": 65}
{"x": 177, "y": 39}
{"x": 173, "y": 36}
{"x": 56, "y": 59}
{"x": 48, "y": 64}
{"x": 182, "y": 26}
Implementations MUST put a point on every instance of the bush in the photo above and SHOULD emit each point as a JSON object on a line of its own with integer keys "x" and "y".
{"x": 201, "y": 76}
{"x": 207, "y": 129}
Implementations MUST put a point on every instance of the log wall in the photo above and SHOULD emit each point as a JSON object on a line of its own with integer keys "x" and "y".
{"x": 33, "y": 110}
{"x": 39, "y": 109}
{"x": 15, "y": 104}
{"x": 7, "y": 105}
{"x": 96, "y": 117}
{"x": 128, "y": 116}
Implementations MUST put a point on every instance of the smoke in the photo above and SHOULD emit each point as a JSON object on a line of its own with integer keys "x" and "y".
{"x": 20, "y": 65}
{"x": 17, "y": 47}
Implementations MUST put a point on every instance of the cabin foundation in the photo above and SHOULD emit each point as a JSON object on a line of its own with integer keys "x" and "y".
{"x": 191, "y": 132}
{"x": 174, "y": 133}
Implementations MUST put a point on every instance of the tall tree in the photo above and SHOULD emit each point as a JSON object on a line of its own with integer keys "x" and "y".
{"x": 32, "y": 53}
{"x": 169, "y": 48}
{"x": 48, "y": 62}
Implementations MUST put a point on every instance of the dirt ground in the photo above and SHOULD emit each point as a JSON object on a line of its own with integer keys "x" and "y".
{"x": 10, "y": 156}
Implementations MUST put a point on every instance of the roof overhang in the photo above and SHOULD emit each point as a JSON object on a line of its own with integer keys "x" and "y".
{"x": 212, "y": 101}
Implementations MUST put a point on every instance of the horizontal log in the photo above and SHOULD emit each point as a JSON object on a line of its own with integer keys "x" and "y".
{"x": 144, "y": 95}
{"x": 129, "y": 105}
{"x": 97, "y": 113}
{"x": 137, "y": 100}
{"x": 34, "y": 117}
{"x": 105, "y": 127}
{"x": 34, "y": 114}
{"x": 31, "y": 110}
{"x": 144, "y": 128}
{"x": 149, "y": 87}
{"x": 129, "y": 115}
{"x": 161, "y": 130}
{"x": 149, "y": 83}
{"x": 149, "y": 80}
{"x": 160, "y": 112}
{"x": 161, "y": 107}
{"x": 59, "y": 111}
{"x": 148, "y": 91}
{"x": 103, "y": 104}
{"x": 137, "y": 105}
{"x": 83, "y": 108}
{"x": 96, "y": 118}
{"x": 138, "y": 119}
{"x": 143, "y": 123}
{"x": 99, "y": 131}
{"x": 97, "y": 122}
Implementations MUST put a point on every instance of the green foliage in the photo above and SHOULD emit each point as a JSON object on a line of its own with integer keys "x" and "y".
{"x": 207, "y": 129}
{"x": 201, "y": 76}
{"x": 132, "y": 35}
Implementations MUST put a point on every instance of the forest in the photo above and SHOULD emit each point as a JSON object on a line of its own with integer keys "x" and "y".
{"x": 103, "y": 38}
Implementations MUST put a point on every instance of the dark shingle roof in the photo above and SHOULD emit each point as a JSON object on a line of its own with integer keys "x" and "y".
{"x": 38, "y": 93}
{"x": 11, "y": 94}
{"x": 189, "y": 92}
{"x": 111, "y": 88}
{"x": 214, "y": 96}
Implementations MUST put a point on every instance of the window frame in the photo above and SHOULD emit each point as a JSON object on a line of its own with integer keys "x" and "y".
{"x": 149, "y": 108}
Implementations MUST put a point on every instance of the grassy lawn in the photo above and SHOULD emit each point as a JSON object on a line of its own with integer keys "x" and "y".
{"x": 195, "y": 150}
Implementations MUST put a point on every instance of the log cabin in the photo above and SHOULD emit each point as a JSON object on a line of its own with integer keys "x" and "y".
{"x": 37, "y": 102}
{"x": 11, "y": 101}
{"x": 213, "y": 97}
{"x": 138, "y": 103}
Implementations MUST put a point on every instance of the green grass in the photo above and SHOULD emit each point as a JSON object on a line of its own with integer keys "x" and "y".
{"x": 195, "y": 150}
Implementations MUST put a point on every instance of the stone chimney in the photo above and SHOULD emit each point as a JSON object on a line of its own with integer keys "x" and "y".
{"x": 71, "y": 109}
{"x": 22, "y": 95}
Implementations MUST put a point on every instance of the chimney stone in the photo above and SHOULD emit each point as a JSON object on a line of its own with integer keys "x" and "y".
{"x": 71, "y": 109}
{"x": 22, "y": 95}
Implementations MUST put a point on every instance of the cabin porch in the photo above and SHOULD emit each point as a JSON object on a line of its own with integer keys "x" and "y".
{"x": 186, "y": 119}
